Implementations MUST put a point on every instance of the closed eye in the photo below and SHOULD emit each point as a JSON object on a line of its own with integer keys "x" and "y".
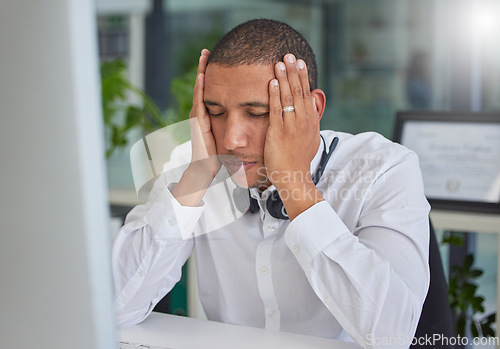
{"x": 258, "y": 115}
{"x": 213, "y": 115}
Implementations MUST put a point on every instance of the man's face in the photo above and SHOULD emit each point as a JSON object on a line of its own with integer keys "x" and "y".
{"x": 237, "y": 99}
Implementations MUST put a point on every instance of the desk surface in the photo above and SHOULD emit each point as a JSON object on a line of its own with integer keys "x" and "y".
{"x": 466, "y": 221}
{"x": 181, "y": 332}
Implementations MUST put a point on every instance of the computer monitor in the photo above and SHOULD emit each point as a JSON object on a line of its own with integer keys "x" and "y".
{"x": 55, "y": 288}
{"x": 459, "y": 155}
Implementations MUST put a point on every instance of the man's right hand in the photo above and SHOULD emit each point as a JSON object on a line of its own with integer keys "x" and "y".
{"x": 204, "y": 161}
{"x": 204, "y": 156}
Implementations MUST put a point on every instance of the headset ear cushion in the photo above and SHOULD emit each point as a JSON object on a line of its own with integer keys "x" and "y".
{"x": 275, "y": 206}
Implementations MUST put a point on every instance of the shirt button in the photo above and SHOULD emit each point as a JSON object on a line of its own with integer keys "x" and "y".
{"x": 171, "y": 222}
{"x": 326, "y": 301}
{"x": 264, "y": 270}
{"x": 271, "y": 228}
{"x": 272, "y": 313}
{"x": 142, "y": 273}
{"x": 296, "y": 249}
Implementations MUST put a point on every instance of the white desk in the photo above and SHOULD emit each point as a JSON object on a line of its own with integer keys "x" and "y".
{"x": 466, "y": 221}
{"x": 187, "y": 333}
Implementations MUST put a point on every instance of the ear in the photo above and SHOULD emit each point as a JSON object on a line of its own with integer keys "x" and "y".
{"x": 319, "y": 99}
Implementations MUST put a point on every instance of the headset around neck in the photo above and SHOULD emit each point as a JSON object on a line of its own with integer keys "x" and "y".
{"x": 274, "y": 204}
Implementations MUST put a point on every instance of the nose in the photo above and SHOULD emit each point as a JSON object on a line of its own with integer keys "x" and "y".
{"x": 235, "y": 135}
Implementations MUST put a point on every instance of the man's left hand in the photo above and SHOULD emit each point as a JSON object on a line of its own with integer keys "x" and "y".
{"x": 293, "y": 136}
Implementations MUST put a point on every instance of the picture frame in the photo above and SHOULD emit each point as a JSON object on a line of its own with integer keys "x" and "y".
{"x": 459, "y": 155}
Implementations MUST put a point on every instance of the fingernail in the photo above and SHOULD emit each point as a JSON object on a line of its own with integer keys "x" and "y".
{"x": 300, "y": 64}
{"x": 290, "y": 58}
{"x": 274, "y": 82}
{"x": 281, "y": 66}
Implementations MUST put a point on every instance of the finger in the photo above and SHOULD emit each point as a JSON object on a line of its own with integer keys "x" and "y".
{"x": 199, "y": 109}
{"x": 306, "y": 89}
{"x": 202, "y": 64}
{"x": 294, "y": 82}
{"x": 199, "y": 85}
{"x": 201, "y": 135}
{"x": 198, "y": 92}
{"x": 275, "y": 108}
{"x": 286, "y": 98}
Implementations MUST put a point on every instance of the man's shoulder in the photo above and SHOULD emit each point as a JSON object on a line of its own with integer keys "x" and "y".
{"x": 366, "y": 146}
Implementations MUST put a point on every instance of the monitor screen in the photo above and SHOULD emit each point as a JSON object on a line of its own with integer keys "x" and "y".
{"x": 56, "y": 288}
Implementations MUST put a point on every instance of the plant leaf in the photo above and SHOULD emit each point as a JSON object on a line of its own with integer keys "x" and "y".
{"x": 491, "y": 318}
{"x": 468, "y": 290}
{"x": 487, "y": 330}
{"x": 475, "y": 273}
{"x": 456, "y": 239}
{"x": 134, "y": 117}
{"x": 468, "y": 261}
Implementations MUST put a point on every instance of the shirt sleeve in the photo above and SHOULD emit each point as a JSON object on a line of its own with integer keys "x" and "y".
{"x": 374, "y": 279}
{"x": 149, "y": 252}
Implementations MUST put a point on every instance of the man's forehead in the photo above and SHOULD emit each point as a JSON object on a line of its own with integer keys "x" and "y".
{"x": 236, "y": 73}
{"x": 245, "y": 82}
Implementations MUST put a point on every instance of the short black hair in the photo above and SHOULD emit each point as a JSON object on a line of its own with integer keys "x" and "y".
{"x": 264, "y": 41}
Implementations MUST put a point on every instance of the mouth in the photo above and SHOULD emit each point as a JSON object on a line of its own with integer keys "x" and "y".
{"x": 237, "y": 165}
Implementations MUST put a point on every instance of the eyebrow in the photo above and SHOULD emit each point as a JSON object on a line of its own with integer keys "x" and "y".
{"x": 246, "y": 104}
{"x": 209, "y": 102}
{"x": 255, "y": 104}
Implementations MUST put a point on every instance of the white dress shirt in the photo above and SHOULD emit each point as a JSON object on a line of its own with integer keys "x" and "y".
{"x": 354, "y": 266}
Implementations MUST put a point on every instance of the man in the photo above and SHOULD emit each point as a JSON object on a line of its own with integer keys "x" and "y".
{"x": 351, "y": 260}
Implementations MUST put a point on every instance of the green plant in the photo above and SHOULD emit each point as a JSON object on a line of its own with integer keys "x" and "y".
{"x": 121, "y": 116}
{"x": 463, "y": 297}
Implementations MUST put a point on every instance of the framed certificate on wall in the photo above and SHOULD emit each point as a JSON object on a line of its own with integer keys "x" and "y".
{"x": 459, "y": 154}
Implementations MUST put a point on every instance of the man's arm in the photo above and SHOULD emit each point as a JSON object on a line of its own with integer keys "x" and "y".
{"x": 150, "y": 250}
{"x": 147, "y": 255}
{"x": 373, "y": 278}
{"x": 373, "y": 275}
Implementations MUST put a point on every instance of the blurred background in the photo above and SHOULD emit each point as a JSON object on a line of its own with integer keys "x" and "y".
{"x": 374, "y": 58}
